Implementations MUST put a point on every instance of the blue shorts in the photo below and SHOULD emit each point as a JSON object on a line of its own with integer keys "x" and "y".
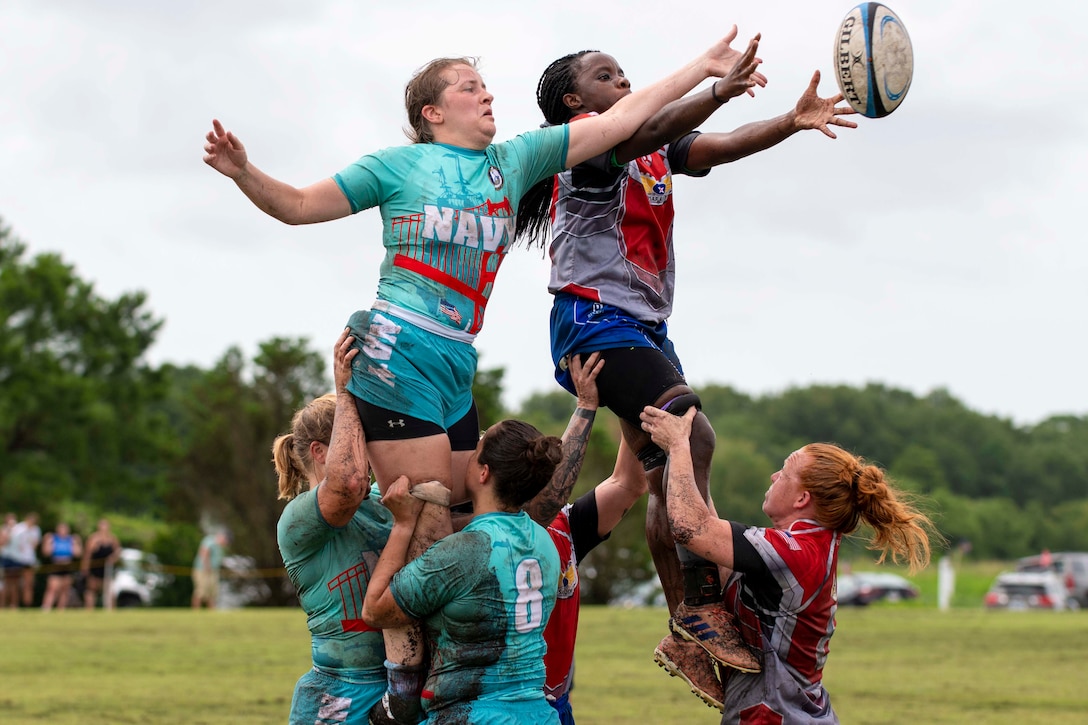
{"x": 579, "y": 325}
{"x": 321, "y": 699}
{"x": 562, "y": 708}
{"x": 409, "y": 370}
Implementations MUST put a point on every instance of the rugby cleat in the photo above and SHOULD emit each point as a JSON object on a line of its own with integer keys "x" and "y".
{"x": 711, "y": 627}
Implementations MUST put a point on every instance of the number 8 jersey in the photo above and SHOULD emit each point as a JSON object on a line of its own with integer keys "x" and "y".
{"x": 484, "y": 595}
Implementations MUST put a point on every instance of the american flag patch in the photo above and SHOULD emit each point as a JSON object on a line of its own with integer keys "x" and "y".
{"x": 790, "y": 541}
{"x": 449, "y": 311}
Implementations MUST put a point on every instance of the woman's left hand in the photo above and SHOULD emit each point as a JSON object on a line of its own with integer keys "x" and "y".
{"x": 667, "y": 430}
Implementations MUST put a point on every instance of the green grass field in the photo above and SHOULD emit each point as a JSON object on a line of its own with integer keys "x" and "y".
{"x": 889, "y": 664}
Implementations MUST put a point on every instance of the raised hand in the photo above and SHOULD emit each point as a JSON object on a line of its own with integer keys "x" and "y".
{"x": 342, "y": 356}
{"x": 224, "y": 152}
{"x": 666, "y": 429}
{"x": 812, "y": 111}
{"x": 742, "y": 77}
{"x": 584, "y": 376}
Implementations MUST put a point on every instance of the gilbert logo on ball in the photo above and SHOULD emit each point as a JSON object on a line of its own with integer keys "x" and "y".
{"x": 874, "y": 61}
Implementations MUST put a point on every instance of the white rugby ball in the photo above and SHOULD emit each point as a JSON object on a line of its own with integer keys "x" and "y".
{"x": 874, "y": 62}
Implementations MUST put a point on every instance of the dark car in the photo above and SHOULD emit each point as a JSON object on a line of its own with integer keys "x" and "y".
{"x": 863, "y": 588}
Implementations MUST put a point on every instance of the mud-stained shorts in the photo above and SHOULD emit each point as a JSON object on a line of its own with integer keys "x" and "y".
{"x": 407, "y": 369}
{"x": 321, "y": 699}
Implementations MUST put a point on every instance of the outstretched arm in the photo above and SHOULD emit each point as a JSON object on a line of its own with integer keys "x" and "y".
{"x": 683, "y": 115}
{"x": 320, "y": 202}
{"x": 597, "y": 134}
{"x": 546, "y": 504}
{"x": 691, "y": 521}
{"x": 811, "y": 112}
{"x": 347, "y": 469}
{"x": 380, "y": 609}
{"x": 618, "y": 493}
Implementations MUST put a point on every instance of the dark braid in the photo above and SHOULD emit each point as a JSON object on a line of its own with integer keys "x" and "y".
{"x": 534, "y": 211}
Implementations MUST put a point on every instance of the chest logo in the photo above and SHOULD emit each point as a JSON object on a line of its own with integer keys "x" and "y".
{"x": 496, "y": 177}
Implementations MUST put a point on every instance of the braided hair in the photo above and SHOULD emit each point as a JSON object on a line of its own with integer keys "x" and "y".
{"x": 534, "y": 211}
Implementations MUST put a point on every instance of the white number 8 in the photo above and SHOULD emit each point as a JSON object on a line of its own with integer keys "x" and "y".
{"x": 529, "y": 609}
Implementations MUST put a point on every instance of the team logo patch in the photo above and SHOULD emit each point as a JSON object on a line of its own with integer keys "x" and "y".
{"x": 447, "y": 309}
{"x": 496, "y": 177}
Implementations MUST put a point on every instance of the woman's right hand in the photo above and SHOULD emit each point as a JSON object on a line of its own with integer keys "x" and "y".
{"x": 224, "y": 152}
{"x": 401, "y": 503}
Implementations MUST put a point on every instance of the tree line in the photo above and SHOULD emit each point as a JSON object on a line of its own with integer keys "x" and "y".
{"x": 89, "y": 428}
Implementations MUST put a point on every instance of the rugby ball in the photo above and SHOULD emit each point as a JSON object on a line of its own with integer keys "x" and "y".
{"x": 874, "y": 61}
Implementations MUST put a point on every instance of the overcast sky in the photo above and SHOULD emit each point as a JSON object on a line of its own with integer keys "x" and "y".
{"x": 941, "y": 246}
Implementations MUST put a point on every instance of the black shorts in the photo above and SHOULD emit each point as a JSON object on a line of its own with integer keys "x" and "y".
{"x": 382, "y": 424}
{"x": 634, "y": 377}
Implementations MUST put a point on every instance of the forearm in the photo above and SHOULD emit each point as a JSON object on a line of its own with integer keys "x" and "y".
{"x": 712, "y": 149}
{"x": 546, "y": 504}
{"x": 668, "y": 124}
{"x": 593, "y": 136}
{"x": 275, "y": 198}
{"x": 347, "y": 472}
{"x": 687, "y": 512}
{"x": 380, "y": 609}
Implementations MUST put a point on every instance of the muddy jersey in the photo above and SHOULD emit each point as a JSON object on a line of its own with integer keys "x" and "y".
{"x": 484, "y": 595}
{"x": 330, "y": 568}
{"x": 448, "y": 217}
{"x": 612, "y": 231}
{"x": 782, "y": 593}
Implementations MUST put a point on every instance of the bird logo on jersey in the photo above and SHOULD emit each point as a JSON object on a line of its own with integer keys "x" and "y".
{"x": 568, "y": 581}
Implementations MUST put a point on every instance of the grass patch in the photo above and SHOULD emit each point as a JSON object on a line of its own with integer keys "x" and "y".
{"x": 888, "y": 664}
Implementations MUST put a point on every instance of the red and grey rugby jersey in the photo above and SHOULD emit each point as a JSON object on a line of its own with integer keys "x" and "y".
{"x": 782, "y": 592}
{"x": 612, "y": 231}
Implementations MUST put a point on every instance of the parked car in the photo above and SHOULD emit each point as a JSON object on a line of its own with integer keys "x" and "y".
{"x": 1070, "y": 566}
{"x": 1022, "y": 590}
{"x": 137, "y": 576}
{"x": 863, "y": 588}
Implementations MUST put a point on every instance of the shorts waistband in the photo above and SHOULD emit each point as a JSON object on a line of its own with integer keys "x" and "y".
{"x": 423, "y": 322}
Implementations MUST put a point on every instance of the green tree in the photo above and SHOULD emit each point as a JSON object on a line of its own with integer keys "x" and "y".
{"x": 77, "y": 401}
{"x": 232, "y": 414}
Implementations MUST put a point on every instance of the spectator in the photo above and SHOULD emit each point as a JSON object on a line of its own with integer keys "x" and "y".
{"x": 61, "y": 548}
{"x": 206, "y": 566}
{"x": 100, "y": 552}
{"x": 20, "y": 560}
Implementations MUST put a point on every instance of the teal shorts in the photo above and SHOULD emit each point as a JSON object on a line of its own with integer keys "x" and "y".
{"x": 321, "y": 699}
{"x": 407, "y": 369}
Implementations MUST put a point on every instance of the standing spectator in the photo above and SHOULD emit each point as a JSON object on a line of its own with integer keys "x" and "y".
{"x": 100, "y": 553}
{"x": 60, "y": 548}
{"x": 20, "y": 559}
{"x": 206, "y": 565}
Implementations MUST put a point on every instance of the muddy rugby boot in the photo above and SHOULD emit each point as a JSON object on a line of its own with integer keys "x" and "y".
{"x": 711, "y": 627}
{"x": 688, "y": 661}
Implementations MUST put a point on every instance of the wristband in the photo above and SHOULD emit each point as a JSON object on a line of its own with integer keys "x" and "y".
{"x": 585, "y": 413}
{"x": 715, "y": 95}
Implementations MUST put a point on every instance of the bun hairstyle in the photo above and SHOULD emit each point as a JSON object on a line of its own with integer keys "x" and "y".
{"x": 291, "y": 451}
{"x": 846, "y": 489}
{"x": 521, "y": 459}
{"x": 424, "y": 89}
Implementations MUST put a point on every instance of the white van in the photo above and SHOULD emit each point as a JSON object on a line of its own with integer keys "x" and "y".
{"x": 1071, "y": 566}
